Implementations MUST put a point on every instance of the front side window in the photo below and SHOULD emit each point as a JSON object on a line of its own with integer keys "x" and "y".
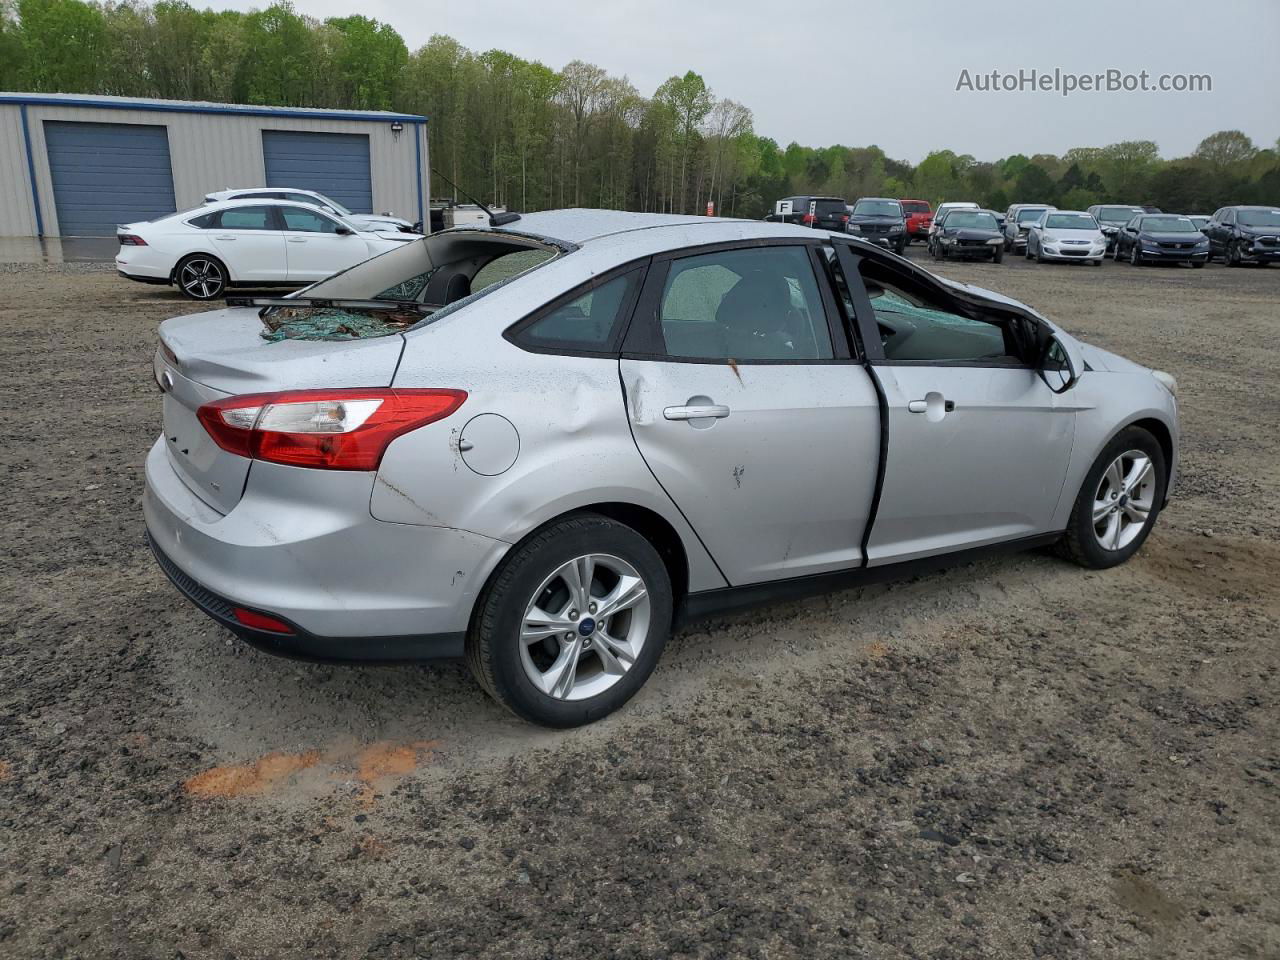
{"x": 744, "y": 305}
{"x": 588, "y": 322}
{"x": 246, "y": 218}
{"x": 307, "y": 221}
{"x": 914, "y": 324}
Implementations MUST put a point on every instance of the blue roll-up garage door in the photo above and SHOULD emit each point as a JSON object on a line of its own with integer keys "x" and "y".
{"x": 335, "y": 164}
{"x": 105, "y": 174}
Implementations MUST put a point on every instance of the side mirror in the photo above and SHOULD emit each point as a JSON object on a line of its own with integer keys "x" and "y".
{"x": 1060, "y": 365}
{"x": 344, "y": 231}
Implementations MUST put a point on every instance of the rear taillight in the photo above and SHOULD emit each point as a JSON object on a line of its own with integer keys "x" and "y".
{"x": 346, "y": 429}
{"x": 808, "y": 218}
{"x": 844, "y": 218}
{"x": 130, "y": 240}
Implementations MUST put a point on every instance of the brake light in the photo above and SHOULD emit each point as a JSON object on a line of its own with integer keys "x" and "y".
{"x": 808, "y": 218}
{"x": 844, "y": 218}
{"x": 346, "y": 429}
{"x": 130, "y": 240}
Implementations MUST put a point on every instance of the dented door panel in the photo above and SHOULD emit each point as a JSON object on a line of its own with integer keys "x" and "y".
{"x": 782, "y": 485}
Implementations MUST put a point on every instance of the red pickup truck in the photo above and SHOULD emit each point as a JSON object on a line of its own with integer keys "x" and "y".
{"x": 919, "y": 217}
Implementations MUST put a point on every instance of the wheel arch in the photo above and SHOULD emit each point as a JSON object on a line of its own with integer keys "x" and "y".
{"x": 173, "y": 271}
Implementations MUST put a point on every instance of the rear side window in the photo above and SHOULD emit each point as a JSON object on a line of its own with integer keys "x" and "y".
{"x": 204, "y": 222}
{"x": 589, "y": 322}
{"x": 246, "y": 218}
{"x": 757, "y": 304}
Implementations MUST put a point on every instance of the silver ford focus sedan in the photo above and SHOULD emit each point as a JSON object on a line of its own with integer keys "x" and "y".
{"x": 545, "y": 443}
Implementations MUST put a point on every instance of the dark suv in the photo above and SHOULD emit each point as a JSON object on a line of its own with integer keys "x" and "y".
{"x": 880, "y": 220}
{"x": 1244, "y": 235}
{"x": 822, "y": 213}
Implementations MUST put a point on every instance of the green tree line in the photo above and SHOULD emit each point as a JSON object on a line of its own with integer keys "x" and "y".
{"x": 518, "y": 132}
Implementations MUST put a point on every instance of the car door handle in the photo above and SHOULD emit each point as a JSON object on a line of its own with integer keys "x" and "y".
{"x": 296, "y": 239}
{"x": 224, "y": 238}
{"x": 715, "y": 411}
{"x": 922, "y": 406}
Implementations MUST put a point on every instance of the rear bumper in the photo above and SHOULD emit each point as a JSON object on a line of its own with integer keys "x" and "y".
{"x": 301, "y": 546}
{"x": 301, "y": 645}
{"x": 142, "y": 279}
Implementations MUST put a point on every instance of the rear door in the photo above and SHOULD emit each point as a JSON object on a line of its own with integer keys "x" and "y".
{"x": 977, "y": 445}
{"x": 249, "y": 242}
{"x": 314, "y": 247}
{"x": 748, "y": 408}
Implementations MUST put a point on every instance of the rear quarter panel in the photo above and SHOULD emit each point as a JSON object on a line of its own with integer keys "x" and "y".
{"x": 575, "y": 442}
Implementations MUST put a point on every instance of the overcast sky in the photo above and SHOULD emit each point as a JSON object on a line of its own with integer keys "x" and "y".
{"x": 881, "y": 72}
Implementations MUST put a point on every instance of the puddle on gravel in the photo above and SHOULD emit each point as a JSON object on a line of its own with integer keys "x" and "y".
{"x": 311, "y": 774}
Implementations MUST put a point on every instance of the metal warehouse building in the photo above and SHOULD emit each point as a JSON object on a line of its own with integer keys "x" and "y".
{"x": 75, "y": 166}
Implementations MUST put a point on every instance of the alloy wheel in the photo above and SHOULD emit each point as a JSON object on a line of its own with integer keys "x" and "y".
{"x": 201, "y": 278}
{"x": 1124, "y": 500}
{"x": 584, "y": 627}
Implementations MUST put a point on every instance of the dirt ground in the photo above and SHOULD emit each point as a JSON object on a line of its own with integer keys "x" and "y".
{"x": 1015, "y": 758}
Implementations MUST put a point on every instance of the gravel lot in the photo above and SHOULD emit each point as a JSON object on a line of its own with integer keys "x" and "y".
{"x": 1011, "y": 759}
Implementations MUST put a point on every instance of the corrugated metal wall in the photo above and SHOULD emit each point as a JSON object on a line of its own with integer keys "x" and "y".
{"x": 209, "y": 151}
{"x": 17, "y": 216}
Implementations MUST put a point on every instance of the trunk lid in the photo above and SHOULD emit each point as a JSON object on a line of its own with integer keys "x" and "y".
{"x": 209, "y": 356}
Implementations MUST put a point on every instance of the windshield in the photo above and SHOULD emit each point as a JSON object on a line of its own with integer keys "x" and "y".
{"x": 1026, "y": 216}
{"x": 877, "y": 208}
{"x": 971, "y": 221}
{"x": 333, "y": 203}
{"x": 1118, "y": 214}
{"x": 1259, "y": 218}
{"x": 1168, "y": 225}
{"x": 1070, "y": 221}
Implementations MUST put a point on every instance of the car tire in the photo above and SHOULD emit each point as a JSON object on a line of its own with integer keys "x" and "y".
{"x": 516, "y": 671}
{"x": 1096, "y": 263}
{"x": 902, "y": 246}
{"x": 1039, "y": 253}
{"x": 1115, "y": 253}
{"x": 1199, "y": 264}
{"x": 200, "y": 276}
{"x": 1232, "y": 257}
{"x": 997, "y": 255}
{"x": 1090, "y": 539}
{"x": 1135, "y": 258}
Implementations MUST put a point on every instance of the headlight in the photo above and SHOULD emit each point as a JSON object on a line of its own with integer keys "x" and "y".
{"x": 995, "y": 240}
{"x": 895, "y": 229}
{"x": 853, "y": 228}
{"x": 1048, "y": 238}
{"x": 1202, "y": 243}
{"x": 1167, "y": 380}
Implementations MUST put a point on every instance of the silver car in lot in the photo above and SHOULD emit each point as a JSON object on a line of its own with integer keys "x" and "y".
{"x": 555, "y": 440}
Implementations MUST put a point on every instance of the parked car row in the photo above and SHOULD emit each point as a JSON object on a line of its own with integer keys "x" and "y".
{"x": 1042, "y": 232}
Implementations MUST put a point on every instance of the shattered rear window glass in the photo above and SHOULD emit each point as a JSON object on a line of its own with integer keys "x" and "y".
{"x": 333, "y": 323}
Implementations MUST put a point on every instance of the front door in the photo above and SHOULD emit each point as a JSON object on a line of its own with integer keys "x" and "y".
{"x": 748, "y": 409}
{"x": 314, "y": 246}
{"x": 249, "y": 243}
{"x": 978, "y": 445}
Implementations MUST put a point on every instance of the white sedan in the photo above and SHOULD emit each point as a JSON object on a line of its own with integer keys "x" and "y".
{"x": 361, "y": 221}
{"x": 245, "y": 243}
{"x": 1066, "y": 235}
